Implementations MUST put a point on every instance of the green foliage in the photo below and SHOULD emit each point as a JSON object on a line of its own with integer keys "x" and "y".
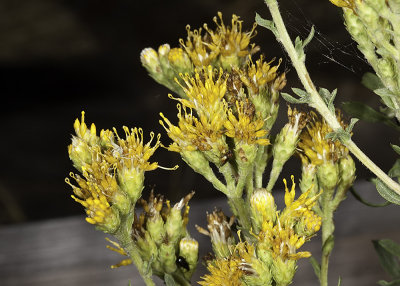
{"x": 389, "y": 255}
{"x": 387, "y": 193}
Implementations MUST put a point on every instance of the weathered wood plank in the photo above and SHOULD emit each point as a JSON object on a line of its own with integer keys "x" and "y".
{"x": 69, "y": 251}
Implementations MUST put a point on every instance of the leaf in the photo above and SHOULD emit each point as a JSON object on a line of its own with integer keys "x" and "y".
{"x": 363, "y": 112}
{"x": 390, "y": 246}
{"x": 268, "y": 24}
{"x": 291, "y": 99}
{"x": 371, "y": 81}
{"x": 386, "y": 96}
{"x": 391, "y": 283}
{"x": 340, "y": 281}
{"x": 396, "y": 148}
{"x": 395, "y": 170}
{"x": 387, "y": 193}
{"x": 388, "y": 261}
{"x": 169, "y": 280}
{"x": 309, "y": 37}
{"x": 363, "y": 201}
{"x": 328, "y": 244}
{"x": 315, "y": 265}
{"x": 300, "y": 92}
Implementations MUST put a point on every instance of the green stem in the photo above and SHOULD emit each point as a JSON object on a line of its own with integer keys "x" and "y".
{"x": 124, "y": 236}
{"x": 315, "y": 99}
{"x": 275, "y": 172}
{"x": 240, "y": 210}
{"x": 181, "y": 280}
{"x": 327, "y": 233}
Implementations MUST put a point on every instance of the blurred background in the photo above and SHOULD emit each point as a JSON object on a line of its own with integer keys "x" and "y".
{"x": 60, "y": 57}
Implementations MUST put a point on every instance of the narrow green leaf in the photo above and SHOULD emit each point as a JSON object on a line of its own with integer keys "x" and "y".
{"x": 371, "y": 81}
{"x": 291, "y": 99}
{"x": 386, "y": 96}
{"x": 268, "y": 24}
{"x": 300, "y": 92}
{"x": 363, "y": 201}
{"x": 389, "y": 262}
{"x": 328, "y": 245}
{"x": 353, "y": 121}
{"x": 390, "y": 246}
{"x": 309, "y": 37}
{"x": 315, "y": 265}
{"x": 363, "y": 111}
{"x": 391, "y": 283}
{"x": 396, "y": 148}
{"x": 169, "y": 280}
{"x": 387, "y": 193}
{"x": 340, "y": 281}
{"x": 395, "y": 170}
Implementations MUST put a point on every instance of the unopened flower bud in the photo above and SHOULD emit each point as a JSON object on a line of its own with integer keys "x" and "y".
{"x": 122, "y": 202}
{"x": 189, "y": 251}
{"x": 79, "y": 153}
{"x": 179, "y": 60}
{"x": 155, "y": 227}
{"x": 131, "y": 182}
{"x": 283, "y": 271}
{"x": 328, "y": 176}
{"x": 167, "y": 257}
{"x": 263, "y": 208}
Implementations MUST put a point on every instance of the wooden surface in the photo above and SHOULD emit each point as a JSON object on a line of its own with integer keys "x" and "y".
{"x": 69, "y": 251}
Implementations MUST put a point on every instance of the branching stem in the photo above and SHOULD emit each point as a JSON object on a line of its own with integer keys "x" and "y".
{"x": 315, "y": 99}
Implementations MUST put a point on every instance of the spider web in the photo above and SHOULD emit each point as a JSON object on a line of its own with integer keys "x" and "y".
{"x": 323, "y": 49}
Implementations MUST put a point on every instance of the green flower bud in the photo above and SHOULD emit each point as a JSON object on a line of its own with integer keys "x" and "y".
{"x": 155, "y": 227}
{"x": 167, "y": 70}
{"x": 147, "y": 247}
{"x": 229, "y": 61}
{"x": 283, "y": 271}
{"x": 174, "y": 223}
{"x": 347, "y": 170}
{"x": 131, "y": 182}
{"x": 189, "y": 250}
{"x": 328, "y": 176}
{"x": 263, "y": 208}
{"x": 79, "y": 153}
{"x": 308, "y": 178}
{"x": 110, "y": 223}
{"x": 150, "y": 61}
{"x": 122, "y": 202}
{"x": 180, "y": 61}
{"x": 167, "y": 257}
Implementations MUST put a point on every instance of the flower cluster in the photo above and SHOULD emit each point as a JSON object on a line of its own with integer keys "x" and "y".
{"x": 271, "y": 258}
{"x": 326, "y": 164}
{"x": 112, "y": 171}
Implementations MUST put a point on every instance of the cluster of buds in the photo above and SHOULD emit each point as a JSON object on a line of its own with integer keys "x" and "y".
{"x": 276, "y": 235}
{"x": 326, "y": 164}
{"x": 112, "y": 172}
{"x": 374, "y": 25}
{"x": 162, "y": 239}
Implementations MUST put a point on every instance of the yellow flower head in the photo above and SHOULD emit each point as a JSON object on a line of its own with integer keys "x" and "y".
{"x": 223, "y": 272}
{"x": 231, "y": 40}
{"x": 262, "y": 74}
{"x": 344, "y": 3}
{"x": 315, "y": 146}
{"x": 281, "y": 237}
{"x": 197, "y": 47}
{"x": 247, "y": 127}
{"x": 131, "y": 152}
{"x": 205, "y": 92}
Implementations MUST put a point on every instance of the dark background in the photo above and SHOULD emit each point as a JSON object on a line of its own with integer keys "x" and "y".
{"x": 60, "y": 57}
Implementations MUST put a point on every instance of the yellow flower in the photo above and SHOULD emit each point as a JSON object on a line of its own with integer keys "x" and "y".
{"x": 231, "y": 40}
{"x": 205, "y": 92}
{"x": 223, "y": 272}
{"x": 198, "y": 48}
{"x": 344, "y": 3}
{"x": 261, "y": 74}
{"x": 247, "y": 127}
{"x": 286, "y": 234}
{"x": 315, "y": 146}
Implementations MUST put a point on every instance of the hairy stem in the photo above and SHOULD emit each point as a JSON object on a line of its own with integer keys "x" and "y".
{"x": 316, "y": 100}
{"x": 125, "y": 239}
